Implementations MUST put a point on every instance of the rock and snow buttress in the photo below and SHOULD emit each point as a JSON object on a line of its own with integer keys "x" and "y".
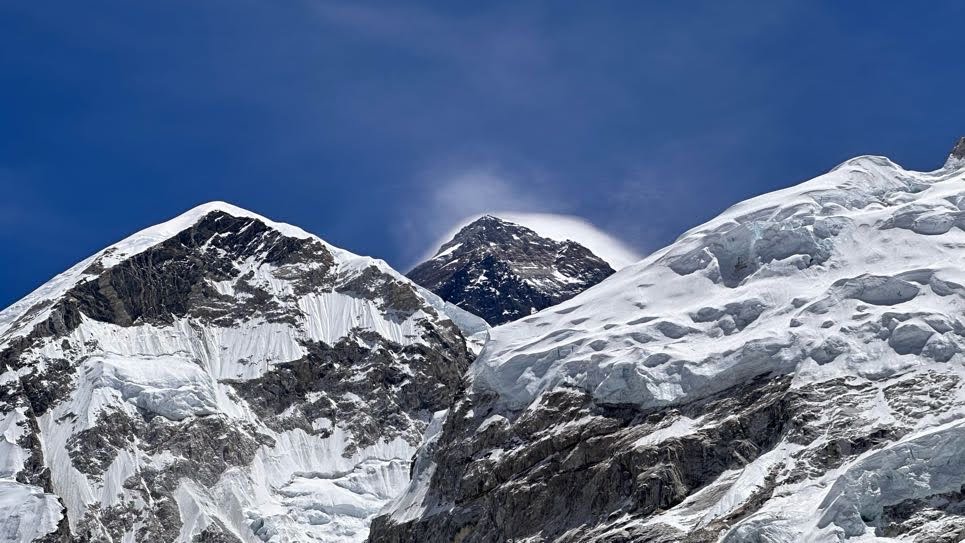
{"x": 791, "y": 371}
{"x": 503, "y": 271}
{"x": 219, "y": 378}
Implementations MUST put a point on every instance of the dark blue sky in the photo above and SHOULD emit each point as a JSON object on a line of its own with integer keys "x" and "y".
{"x": 378, "y": 125}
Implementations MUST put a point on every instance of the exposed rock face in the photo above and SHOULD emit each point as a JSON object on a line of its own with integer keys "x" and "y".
{"x": 958, "y": 151}
{"x": 568, "y": 459}
{"x": 218, "y": 378}
{"x": 503, "y": 271}
{"x": 790, "y": 371}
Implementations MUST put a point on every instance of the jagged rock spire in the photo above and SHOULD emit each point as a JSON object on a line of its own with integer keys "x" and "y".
{"x": 957, "y": 156}
{"x": 502, "y": 271}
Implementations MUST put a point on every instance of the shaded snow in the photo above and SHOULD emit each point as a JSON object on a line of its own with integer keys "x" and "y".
{"x": 26, "y": 513}
{"x": 167, "y": 386}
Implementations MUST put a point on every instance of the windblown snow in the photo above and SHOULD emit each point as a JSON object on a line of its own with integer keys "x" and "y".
{"x": 786, "y": 282}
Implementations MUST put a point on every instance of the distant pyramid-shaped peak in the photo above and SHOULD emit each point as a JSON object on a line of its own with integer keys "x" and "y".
{"x": 957, "y": 156}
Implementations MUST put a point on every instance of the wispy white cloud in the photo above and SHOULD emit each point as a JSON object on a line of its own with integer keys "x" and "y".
{"x": 643, "y": 188}
{"x": 568, "y": 227}
{"x": 446, "y": 196}
{"x": 475, "y": 191}
{"x": 450, "y": 198}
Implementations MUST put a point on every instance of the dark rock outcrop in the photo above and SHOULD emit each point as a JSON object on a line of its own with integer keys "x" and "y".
{"x": 958, "y": 151}
{"x": 382, "y": 403}
{"x": 502, "y": 271}
{"x": 570, "y": 470}
{"x": 563, "y": 481}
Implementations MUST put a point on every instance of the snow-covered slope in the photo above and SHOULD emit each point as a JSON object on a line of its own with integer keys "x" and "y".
{"x": 789, "y": 371}
{"x": 502, "y": 271}
{"x": 219, "y": 377}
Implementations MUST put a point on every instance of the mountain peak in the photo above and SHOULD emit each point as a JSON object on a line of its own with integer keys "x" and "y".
{"x": 213, "y": 206}
{"x": 502, "y": 271}
{"x": 957, "y": 156}
{"x": 193, "y": 215}
{"x": 488, "y": 221}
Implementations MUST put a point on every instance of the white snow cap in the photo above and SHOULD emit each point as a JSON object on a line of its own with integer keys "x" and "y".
{"x": 160, "y": 232}
{"x": 561, "y": 228}
{"x": 136, "y": 243}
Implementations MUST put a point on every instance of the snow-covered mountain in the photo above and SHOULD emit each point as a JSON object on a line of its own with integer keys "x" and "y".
{"x": 790, "y": 371}
{"x": 502, "y": 271}
{"x": 219, "y": 378}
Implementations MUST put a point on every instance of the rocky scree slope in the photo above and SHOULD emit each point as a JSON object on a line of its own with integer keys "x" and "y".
{"x": 218, "y": 378}
{"x": 789, "y": 371}
{"x": 502, "y": 271}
